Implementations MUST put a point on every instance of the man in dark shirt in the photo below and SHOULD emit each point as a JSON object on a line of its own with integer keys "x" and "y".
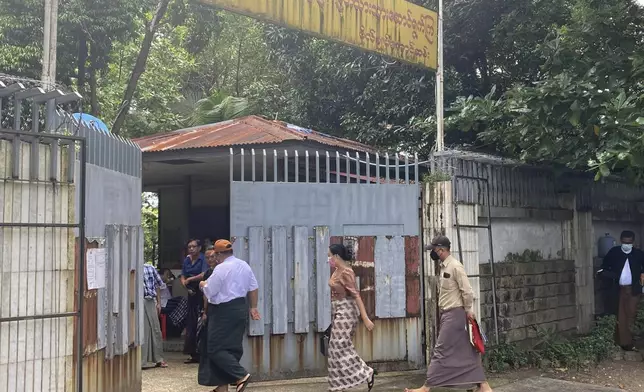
{"x": 623, "y": 267}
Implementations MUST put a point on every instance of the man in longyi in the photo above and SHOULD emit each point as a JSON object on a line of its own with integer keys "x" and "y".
{"x": 455, "y": 362}
{"x": 229, "y": 290}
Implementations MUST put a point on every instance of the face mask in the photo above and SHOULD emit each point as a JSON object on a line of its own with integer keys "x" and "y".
{"x": 434, "y": 256}
{"x": 332, "y": 262}
{"x": 627, "y": 248}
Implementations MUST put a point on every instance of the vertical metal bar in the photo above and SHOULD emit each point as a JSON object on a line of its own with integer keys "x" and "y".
{"x": 368, "y": 169}
{"x": 54, "y": 157}
{"x": 337, "y": 167}
{"x": 348, "y": 168}
{"x": 264, "y": 165}
{"x": 35, "y": 144}
{"x": 285, "y": 166}
{"x": 71, "y": 162}
{"x": 328, "y": 168}
{"x": 297, "y": 167}
{"x": 358, "y": 167}
{"x": 252, "y": 159}
{"x": 306, "y": 165}
{"x": 387, "y": 167}
{"x": 274, "y": 165}
{"x": 416, "y": 174}
{"x": 317, "y": 166}
{"x": 81, "y": 274}
{"x": 231, "y": 165}
{"x": 243, "y": 168}
{"x": 407, "y": 169}
{"x": 489, "y": 232}
{"x": 397, "y": 168}
{"x": 457, "y": 224}
{"x": 377, "y": 168}
{"x": 17, "y": 144}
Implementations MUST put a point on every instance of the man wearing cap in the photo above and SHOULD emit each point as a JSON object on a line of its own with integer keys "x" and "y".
{"x": 227, "y": 290}
{"x": 455, "y": 362}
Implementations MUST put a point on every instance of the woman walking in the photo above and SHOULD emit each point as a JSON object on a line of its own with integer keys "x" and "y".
{"x": 346, "y": 368}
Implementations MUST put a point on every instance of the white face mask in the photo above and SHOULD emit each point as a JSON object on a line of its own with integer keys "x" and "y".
{"x": 627, "y": 248}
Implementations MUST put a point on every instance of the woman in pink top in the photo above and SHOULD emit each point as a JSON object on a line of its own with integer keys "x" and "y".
{"x": 346, "y": 368}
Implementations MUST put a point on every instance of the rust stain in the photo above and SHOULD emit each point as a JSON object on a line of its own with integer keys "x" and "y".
{"x": 250, "y": 130}
{"x": 277, "y": 352}
{"x": 364, "y": 268}
{"x": 257, "y": 351}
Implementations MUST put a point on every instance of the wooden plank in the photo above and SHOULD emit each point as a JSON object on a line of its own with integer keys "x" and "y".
{"x": 280, "y": 280}
{"x": 256, "y": 252}
{"x": 301, "y": 278}
{"x": 390, "y": 277}
{"x": 323, "y": 274}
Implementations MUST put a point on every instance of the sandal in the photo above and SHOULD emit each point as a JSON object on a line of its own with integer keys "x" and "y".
{"x": 162, "y": 364}
{"x": 241, "y": 387}
{"x": 372, "y": 381}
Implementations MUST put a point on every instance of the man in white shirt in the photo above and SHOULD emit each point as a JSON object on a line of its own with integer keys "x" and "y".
{"x": 624, "y": 267}
{"x": 229, "y": 290}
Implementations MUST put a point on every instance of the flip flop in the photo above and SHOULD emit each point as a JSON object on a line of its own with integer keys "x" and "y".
{"x": 241, "y": 387}
{"x": 372, "y": 381}
{"x": 162, "y": 365}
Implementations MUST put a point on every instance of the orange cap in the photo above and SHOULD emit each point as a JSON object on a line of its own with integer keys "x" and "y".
{"x": 222, "y": 246}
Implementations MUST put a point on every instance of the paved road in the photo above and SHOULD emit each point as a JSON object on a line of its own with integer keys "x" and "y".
{"x": 182, "y": 378}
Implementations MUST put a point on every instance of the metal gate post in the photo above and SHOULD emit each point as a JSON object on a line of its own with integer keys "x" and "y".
{"x": 488, "y": 227}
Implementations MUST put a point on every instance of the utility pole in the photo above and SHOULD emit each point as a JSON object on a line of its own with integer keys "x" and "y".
{"x": 50, "y": 43}
{"x": 440, "y": 125}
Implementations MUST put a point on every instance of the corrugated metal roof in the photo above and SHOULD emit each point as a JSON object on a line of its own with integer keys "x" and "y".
{"x": 251, "y": 130}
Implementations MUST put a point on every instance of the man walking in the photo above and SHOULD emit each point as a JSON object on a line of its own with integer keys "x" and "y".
{"x": 624, "y": 267}
{"x": 227, "y": 289}
{"x": 454, "y": 363}
{"x": 152, "y": 350}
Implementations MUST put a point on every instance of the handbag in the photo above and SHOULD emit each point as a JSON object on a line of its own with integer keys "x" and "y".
{"x": 476, "y": 337}
{"x": 324, "y": 341}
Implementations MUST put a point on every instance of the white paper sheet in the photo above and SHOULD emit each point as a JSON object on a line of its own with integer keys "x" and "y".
{"x": 96, "y": 260}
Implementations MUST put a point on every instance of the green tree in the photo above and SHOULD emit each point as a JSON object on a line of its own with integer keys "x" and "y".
{"x": 585, "y": 110}
{"x": 150, "y": 224}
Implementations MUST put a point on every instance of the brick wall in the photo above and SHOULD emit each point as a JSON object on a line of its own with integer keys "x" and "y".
{"x": 537, "y": 294}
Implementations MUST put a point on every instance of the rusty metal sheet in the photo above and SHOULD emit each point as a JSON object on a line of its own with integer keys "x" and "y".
{"x": 412, "y": 276}
{"x": 121, "y": 373}
{"x": 251, "y": 130}
{"x": 394, "y": 28}
{"x": 363, "y": 266}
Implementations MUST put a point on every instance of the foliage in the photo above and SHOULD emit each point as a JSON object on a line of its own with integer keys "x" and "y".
{"x": 584, "y": 109}
{"x": 436, "y": 176}
{"x": 639, "y": 320}
{"x": 150, "y": 223}
{"x": 528, "y": 256}
{"x": 219, "y": 107}
{"x": 556, "y": 350}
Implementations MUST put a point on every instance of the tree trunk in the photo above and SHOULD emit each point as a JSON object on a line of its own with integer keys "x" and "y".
{"x": 139, "y": 67}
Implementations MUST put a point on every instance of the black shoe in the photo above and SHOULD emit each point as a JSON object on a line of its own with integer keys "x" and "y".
{"x": 191, "y": 360}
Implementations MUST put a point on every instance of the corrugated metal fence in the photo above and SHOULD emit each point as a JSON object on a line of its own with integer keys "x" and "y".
{"x": 286, "y": 210}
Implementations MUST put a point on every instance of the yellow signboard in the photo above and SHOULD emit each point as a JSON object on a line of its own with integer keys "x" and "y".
{"x": 394, "y": 28}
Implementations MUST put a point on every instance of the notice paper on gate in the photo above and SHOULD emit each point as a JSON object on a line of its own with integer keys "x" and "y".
{"x": 96, "y": 260}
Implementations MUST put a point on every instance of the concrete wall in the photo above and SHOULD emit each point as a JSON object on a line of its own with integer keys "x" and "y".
{"x": 531, "y": 296}
{"x": 513, "y": 235}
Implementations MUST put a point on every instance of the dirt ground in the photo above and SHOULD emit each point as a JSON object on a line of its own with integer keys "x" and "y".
{"x": 628, "y": 376}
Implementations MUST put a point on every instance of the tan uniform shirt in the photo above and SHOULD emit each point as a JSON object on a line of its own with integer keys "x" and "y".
{"x": 455, "y": 289}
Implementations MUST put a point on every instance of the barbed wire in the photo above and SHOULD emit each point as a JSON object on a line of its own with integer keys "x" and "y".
{"x": 31, "y": 82}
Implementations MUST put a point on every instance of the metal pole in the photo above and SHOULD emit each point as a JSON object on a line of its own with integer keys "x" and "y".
{"x": 440, "y": 130}
{"x": 50, "y": 43}
{"x": 81, "y": 267}
{"x": 489, "y": 232}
